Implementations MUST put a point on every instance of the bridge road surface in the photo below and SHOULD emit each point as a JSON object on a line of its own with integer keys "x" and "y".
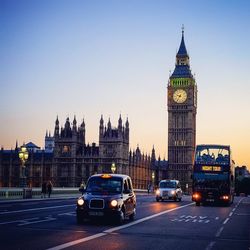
{"x": 51, "y": 224}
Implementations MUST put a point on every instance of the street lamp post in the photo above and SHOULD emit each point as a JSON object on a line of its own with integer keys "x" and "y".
{"x": 153, "y": 179}
{"x": 113, "y": 167}
{"x": 23, "y": 156}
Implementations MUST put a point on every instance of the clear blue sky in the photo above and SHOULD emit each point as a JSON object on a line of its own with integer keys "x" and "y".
{"x": 88, "y": 58}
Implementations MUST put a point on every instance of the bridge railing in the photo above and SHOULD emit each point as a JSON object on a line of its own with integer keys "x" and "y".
{"x": 27, "y": 193}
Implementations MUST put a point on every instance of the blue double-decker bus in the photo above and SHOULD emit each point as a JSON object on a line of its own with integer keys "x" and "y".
{"x": 213, "y": 174}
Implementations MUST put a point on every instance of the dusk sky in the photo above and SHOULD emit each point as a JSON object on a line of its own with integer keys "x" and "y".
{"x": 88, "y": 58}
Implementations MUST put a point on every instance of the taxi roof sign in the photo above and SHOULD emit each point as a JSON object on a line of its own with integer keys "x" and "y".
{"x": 106, "y": 176}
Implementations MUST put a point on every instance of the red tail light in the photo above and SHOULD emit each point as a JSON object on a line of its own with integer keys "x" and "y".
{"x": 196, "y": 196}
{"x": 225, "y": 197}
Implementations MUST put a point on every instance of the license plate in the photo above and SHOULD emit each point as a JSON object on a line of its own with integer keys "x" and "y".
{"x": 93, "y": 213}
{"x": 209, "y": 199}
{"x": 164, "y": 197}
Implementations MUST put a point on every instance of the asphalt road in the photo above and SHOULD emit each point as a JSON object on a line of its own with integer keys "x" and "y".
{"x": 51, "y": 224}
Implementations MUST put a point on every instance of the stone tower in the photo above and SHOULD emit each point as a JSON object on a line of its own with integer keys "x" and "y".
{"x": 114, "y": 146}
{"x": 49, "y": 142}
{"x": 182, "y": 105}
{"x": 69, "y": 144}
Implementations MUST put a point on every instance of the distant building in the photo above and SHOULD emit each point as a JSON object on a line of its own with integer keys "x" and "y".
{"x": 67, "y": 160}
{"x": 32, "y": 147}
{"x": 241, "y": 172}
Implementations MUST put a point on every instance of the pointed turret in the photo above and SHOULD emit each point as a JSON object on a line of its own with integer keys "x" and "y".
{"x": 56, "y": 132}
{"x": 83, "y": 125}
{"x": 120, "y": 132}
{"x": 182, "y": 67}
{"x": 57, "y": 121}
{"x": 101, "y": 127}
{"x": 120, "y": 122}
{"x": 127, "y": 124}
{"x": 182, "y": 52}
{"x": 82, "y": 131}
{"x": 67, "y": 128}
{"x": 153, "y": 154}
{"x": 127, "y": 130}
{"x": 74, "y": 124}
{"x": 109, "y": 124}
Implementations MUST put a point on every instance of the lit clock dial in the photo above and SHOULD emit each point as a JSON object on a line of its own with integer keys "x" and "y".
{"x": 180, "y": 96}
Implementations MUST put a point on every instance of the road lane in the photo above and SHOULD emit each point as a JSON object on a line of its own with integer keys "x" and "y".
{"x": 190, "y": 225}
{"x": 165, "y": 232}
{"x": 63, "y": 228}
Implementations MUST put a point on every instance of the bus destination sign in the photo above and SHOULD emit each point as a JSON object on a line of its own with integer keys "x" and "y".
{"x": 211, "y": 168}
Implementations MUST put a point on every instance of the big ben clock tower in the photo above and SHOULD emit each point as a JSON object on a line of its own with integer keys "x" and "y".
{"x": 182, "y": 105}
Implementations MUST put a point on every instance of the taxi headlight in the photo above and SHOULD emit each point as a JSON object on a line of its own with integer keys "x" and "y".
{"x": 157, "y": 192}
{"x": 80, "y": 202}
{"x": 173, "y": 192}
{"x": 113, "y": 203}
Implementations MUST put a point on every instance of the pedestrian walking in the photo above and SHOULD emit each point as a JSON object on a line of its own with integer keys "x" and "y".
{"x": 44, "y": 190}
{"x": 149, "y": 186}
{"x": 49, "y": 187}
{"x": 82, "y": 187}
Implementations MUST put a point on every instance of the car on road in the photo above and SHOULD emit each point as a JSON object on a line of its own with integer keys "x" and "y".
{"x": 108, "y": 196}
{"x": 169, "y": 190}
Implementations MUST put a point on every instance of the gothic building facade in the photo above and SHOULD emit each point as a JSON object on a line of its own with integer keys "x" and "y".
{"x": 182, "y": 106}
{"x": 67, "y": 160}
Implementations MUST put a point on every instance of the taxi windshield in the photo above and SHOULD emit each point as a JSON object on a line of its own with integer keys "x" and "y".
{"x": 168, "y": 184}
{"x": 104, "y": 185}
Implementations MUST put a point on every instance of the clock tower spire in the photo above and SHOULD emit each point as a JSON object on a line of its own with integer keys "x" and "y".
{"x": 182, "y": 106}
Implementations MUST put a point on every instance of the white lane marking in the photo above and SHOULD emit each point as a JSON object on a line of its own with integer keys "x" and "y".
{"x": 226, "y": 220}
{"x": 38, "y": 221}
{"x": 211, "y": 244}
{"x": 35, "y": 209}
{"x": 230, "y": 214}
{"x": 9, "y": 222}
{"x": 219, "y": 232}
{"x": 75, "y": 242}
{"x": 111, "y": 230}
{"x": 20, "y": 221}
{"x": 217, "y": 218}
{"x": 69, "y": 213}
{"x": 145, "y": 219}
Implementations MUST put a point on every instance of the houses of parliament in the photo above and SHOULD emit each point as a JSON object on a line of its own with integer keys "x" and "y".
{"x": 67, "y": 160}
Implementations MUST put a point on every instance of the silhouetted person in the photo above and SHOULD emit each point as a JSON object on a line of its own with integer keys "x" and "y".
{"x": 149, "y": 187}
{"x": 82, "y": 187}
{"x": 44, "y": 190}
{"x": 49, "y": 187}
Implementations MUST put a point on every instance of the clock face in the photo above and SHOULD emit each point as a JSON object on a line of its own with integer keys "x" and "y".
{"x": 180, "y": 96}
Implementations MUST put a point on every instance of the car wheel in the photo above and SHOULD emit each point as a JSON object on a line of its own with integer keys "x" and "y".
{"x": 79, "y": 219}
{"x": 157, "y": 199}
{"x": 197, "y": 204}
{"x": 180, "y": 199}
{"x": 121, "y": 217}
{"x": 132, "y": 216}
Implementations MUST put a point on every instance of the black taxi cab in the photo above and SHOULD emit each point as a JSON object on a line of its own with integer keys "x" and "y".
{"x": 108, "y": 196}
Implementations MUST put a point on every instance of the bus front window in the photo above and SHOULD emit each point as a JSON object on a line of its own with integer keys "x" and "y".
{"x": 212, "y": 155}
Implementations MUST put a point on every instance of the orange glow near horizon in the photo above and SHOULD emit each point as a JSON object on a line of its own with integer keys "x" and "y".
{"x": 120, "y": 65}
